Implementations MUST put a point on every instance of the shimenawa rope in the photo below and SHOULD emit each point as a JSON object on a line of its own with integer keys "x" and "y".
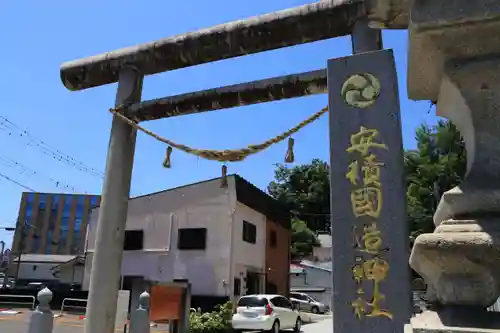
{"x": 228, "y": 155}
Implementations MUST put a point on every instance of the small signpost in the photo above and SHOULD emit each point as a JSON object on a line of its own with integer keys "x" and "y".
{"x": 371, "y": 291}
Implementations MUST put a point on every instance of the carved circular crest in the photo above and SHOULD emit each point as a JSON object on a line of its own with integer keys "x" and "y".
{"x": 360, "y": 90}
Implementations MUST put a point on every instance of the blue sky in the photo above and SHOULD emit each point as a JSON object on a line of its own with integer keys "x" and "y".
{"x": 38, "y": 36}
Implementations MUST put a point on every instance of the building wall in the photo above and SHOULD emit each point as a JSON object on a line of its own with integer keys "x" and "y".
{"x": 322, "y": 254}
{"x": 160, "y": 216}
{"x": 246, "y": 256}
{"x": 313, "y": 278}
{"x": 278, "y": 257}
{"x": 50, "y": 223}
{"x": 36, "y": 271}
{"x": 71, "y": 274}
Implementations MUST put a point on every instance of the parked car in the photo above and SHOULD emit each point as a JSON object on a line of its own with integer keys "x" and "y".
{"x": 265, "y": 313}
{"x": 304, "y": 302}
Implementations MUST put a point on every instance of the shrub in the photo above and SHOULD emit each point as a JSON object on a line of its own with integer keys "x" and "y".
{"x": 217, "y": 321}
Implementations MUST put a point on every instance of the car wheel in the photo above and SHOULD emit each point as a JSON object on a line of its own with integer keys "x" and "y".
{"x": 315, "y": 309}
{"x": 298, "y": 325}
{"x": 275, "y": 328}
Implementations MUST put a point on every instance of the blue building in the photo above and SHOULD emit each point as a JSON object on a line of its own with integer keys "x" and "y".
{"x": 53, "y": 223}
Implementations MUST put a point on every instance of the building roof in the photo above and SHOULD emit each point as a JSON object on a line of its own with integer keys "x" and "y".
{"x": 299, "y": 268}
{"x": 45, "y": 258}
{"x": 249, "y": 195}
{"x": 63, "y": 194}
{"x": 76, "y": 260}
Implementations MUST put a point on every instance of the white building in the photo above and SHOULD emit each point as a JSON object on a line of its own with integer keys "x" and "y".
{"x": 58, "y": 268}
{"x": 225, "y": 241}
{"x": 323, "y": 253}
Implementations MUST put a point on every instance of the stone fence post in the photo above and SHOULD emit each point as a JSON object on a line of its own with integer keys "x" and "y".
{"x": 139, "y": 319}
{"x": 42, "y": 319}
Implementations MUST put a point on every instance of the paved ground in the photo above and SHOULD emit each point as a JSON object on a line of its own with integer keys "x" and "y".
{"x": 73, "y": 324}
{"x": 323, "y": 326}
{"x": 65, "y": 324}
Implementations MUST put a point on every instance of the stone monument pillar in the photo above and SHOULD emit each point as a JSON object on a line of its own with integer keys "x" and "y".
{"x": 454, "y": 59}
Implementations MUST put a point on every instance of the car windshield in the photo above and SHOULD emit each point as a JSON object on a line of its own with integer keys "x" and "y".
{"x": 252, "y": 301}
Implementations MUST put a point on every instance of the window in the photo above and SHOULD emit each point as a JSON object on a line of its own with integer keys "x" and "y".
{"x": 281, "y": 302}
{"x": 252, "y": 301}
{"x": 192, "y": 239}
{"x": 237, "y": 287}
{"x": 249, "y": 232}
{"x": 134, "y": 240}
{"x": 273, "y": 238}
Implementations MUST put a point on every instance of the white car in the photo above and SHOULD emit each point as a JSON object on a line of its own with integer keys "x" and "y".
{"x": 265, "y": 313}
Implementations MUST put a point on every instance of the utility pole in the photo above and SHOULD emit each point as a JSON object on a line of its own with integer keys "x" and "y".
{"x": 21, "y": 249}
{"x": 6, "y": 276}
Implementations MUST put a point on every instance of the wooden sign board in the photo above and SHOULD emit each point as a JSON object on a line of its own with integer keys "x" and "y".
{"x": 165, "y": 303}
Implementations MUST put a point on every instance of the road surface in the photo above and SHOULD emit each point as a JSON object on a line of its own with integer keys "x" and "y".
{"x": 73, "y": 324}
{"x": 65, "y": 324}
{"x": 322, "y": 326}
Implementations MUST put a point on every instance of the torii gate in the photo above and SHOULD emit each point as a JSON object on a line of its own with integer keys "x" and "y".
{"x": 303, "y": 24}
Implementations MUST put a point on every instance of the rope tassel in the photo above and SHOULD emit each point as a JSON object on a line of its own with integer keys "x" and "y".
{"x": 224, "y": 176}
{"x": 290, "y": 156}
{"x": 166, "y": 163}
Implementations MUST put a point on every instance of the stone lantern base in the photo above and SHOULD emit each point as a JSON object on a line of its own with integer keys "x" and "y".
{"x": 455, "y": 320}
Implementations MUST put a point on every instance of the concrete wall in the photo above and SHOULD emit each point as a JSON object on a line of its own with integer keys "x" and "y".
{"x": 201, "y": 205}
{"x": 247, "y": 256}
{"x": 322, "y": 253}
{"x": 35, "y": 271}
{"x": 72, "y": 274}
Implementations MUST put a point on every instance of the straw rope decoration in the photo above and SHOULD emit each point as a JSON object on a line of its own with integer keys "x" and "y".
{"x": 228, "y": 155}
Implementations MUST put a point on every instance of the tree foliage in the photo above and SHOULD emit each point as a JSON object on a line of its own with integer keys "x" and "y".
{"x": 303, "y": 239}
{"x": 435, "y": 166}
{"x": 305, "y": 190}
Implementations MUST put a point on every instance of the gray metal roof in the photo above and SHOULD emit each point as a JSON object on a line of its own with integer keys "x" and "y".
{"x": 326, "y": 265}
{"x": 47, "y": 258}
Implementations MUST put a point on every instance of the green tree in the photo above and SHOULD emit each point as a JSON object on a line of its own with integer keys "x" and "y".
{"x": 437, "y": 165}
{"x": 305, "y": 190}
{"x": 303, "y": 239}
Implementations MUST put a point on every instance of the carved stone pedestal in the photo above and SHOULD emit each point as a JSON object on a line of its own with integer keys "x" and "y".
{"x": 460, "y": 261}
{"x": 455, "y": 59}
{"x": 454, "y": 320}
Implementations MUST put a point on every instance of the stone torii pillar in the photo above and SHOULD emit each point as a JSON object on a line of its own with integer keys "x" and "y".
{"x": 454, "y": 59}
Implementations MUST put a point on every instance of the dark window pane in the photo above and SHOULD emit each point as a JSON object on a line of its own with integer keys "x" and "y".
{"x": 30, "y": 197}
{"x": 252, "y": 301}
{"x": 237, "y": 287}
{"x": 134, "y": 240}
{"x": 93, "y": 201}
{"x": 67, "y": 206}
{"x": 249, "y": 232}
{"x": 80, "y": 206}
{"x": 192, "y": 239}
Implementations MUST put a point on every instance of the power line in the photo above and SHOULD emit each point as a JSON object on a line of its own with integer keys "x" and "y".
{"x": 12, "y": 129}
{"x": 24, "y": 170}
{"x": 16, "y": 182}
